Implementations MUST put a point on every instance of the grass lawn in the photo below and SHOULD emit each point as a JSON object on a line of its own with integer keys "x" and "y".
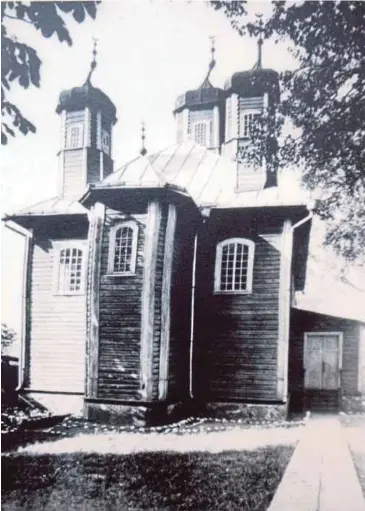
{"x": 231, "y": 480}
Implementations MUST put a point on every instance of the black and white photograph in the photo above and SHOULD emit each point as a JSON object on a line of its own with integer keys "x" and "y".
{"x": 183, "y": 255}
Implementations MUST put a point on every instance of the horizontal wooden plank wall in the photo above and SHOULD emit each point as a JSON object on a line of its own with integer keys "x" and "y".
{"x": 302, "y": 321}
{"x": 120, "y": 320}
{"x": 57, "y": 326}
{"x": 236, "y": 335}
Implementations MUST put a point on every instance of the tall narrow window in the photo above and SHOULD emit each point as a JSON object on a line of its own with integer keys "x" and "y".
{"x": 247, "y": 121}
{"x": 74, "y": 135}
{"x": 203, "y": 133}
{"x": 234, "y": 266}
{"x": 228, "y": 118}
{"x": 70, "y": 270}
{"x": 123, "y": 249}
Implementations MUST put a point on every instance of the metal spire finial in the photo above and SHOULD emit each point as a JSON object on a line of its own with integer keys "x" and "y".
{"x": 143, "y": 150}
{"x": 211, "y": 63}
{"x": 93, "y": 62}
{"x": 212, "y": 50}
{"x": 260, "y": 41}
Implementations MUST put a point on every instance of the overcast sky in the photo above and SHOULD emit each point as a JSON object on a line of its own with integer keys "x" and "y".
{"x": 149, "y": 52}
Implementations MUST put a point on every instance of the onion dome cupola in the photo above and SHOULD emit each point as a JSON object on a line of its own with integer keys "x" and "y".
{"x": 87, "y": 118}
{"x": 199, "y": 113}
{"x": 248, "y": 94}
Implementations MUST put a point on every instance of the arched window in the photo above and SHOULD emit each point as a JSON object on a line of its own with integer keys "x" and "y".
{"x": 234, "y": 266}
{"x": 123, "y": 249}
{"x": 69, "y": 269}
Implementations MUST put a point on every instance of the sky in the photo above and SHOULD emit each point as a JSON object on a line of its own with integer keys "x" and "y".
{"x": 149, "y": 52}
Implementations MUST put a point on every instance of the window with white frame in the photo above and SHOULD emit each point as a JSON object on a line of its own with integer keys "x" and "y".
{"x": 69, "y": 269}
{"x": 234, "y": 266}
{"x": 74, "y": 135}
{"x": 123, "y": 249}
{"x": 247, "y": 120}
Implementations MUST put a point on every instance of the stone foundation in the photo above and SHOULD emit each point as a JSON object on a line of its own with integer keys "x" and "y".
{"x": 247, "y": 411}
{"x": 143, "y": 415}
{"x": 59, "y": 404}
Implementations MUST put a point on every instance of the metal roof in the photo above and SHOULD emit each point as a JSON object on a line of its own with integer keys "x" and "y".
{"x": 209, "y": 178}
{"x": 53, "y": 206}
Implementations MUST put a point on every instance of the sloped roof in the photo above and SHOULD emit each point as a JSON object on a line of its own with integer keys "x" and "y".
{"x": 53, "y": 206}
{"x": 209, "y": 178}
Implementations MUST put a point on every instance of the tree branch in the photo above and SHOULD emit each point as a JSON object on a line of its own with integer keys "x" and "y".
{"x": 17, "y": 19}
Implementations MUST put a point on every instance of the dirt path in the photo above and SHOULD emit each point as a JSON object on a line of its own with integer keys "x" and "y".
{"x": 233, "y": 438}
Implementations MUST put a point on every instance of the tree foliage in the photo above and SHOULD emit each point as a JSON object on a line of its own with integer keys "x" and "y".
{"x": 324, "y": 99}
{"x": 8, "y": 336}
{"x": 20, "y": 63}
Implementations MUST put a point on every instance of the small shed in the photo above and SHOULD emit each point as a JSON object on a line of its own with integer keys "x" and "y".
{"x": 326, "y": 362}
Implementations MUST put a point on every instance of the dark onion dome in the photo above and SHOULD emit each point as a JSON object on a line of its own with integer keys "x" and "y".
{"x": 205, "y": 96}
{"x": 254, "y": 82}
{"x": 86, "y": 95}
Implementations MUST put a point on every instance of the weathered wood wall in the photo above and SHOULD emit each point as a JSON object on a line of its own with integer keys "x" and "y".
{"x": 56, "y": 323}
{"x": 236, "y": 336}
{"x": 120, "y": 320}
{"x": 301, "y": 322}
{"x": 178, "y": 384}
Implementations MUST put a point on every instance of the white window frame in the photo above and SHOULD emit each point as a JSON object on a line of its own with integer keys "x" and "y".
{"x": 244, "y": 113}
{"x": 112, "y": 238}
{"x": 64, "y": 245}
{"x": 208, "y": 131}
{"x": 218, "y": 266}
{"x": 80, "y": 140}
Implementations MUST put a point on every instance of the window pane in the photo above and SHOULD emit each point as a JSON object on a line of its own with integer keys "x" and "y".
{"x": 123, "y": 250}
{"x": 200, "y": 133}
{"x": 69, "y": 270}
{"x": 234, "y": 267}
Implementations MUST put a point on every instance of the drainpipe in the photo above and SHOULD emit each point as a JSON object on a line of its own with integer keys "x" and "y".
{"x": 28, "y": 236}
{"x": 305, "y": 219}
{"x": 192, "y": 317}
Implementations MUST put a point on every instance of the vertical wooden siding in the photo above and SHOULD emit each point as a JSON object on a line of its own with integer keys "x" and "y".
{"x": 73, "y": 175}
{"x": 302, "y": 321}
{"x": 236, "y": 335}
{"x": 178, "y": 384}
{"x": 57, "y": 329}
{"x": 120, "y": 321}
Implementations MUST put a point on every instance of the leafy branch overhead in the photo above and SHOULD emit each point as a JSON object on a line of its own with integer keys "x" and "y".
{"x": 323, "y": 101}
{"x": 20, "y": 63}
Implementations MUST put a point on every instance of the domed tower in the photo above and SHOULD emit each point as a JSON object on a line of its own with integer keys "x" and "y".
{"x": 249, "y": 94}
{"x": 200, "y": 113}
{"x": 87, "y": 119}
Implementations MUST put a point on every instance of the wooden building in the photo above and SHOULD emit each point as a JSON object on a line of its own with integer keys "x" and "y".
{"x": 169, "y": 281}
{"x": 327, "y": 362}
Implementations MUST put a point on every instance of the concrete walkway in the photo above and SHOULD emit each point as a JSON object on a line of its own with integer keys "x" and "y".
{"x": 321, "y": 475}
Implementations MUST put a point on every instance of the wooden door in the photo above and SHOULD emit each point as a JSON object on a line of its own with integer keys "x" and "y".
{"x": 322, "y": 360}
